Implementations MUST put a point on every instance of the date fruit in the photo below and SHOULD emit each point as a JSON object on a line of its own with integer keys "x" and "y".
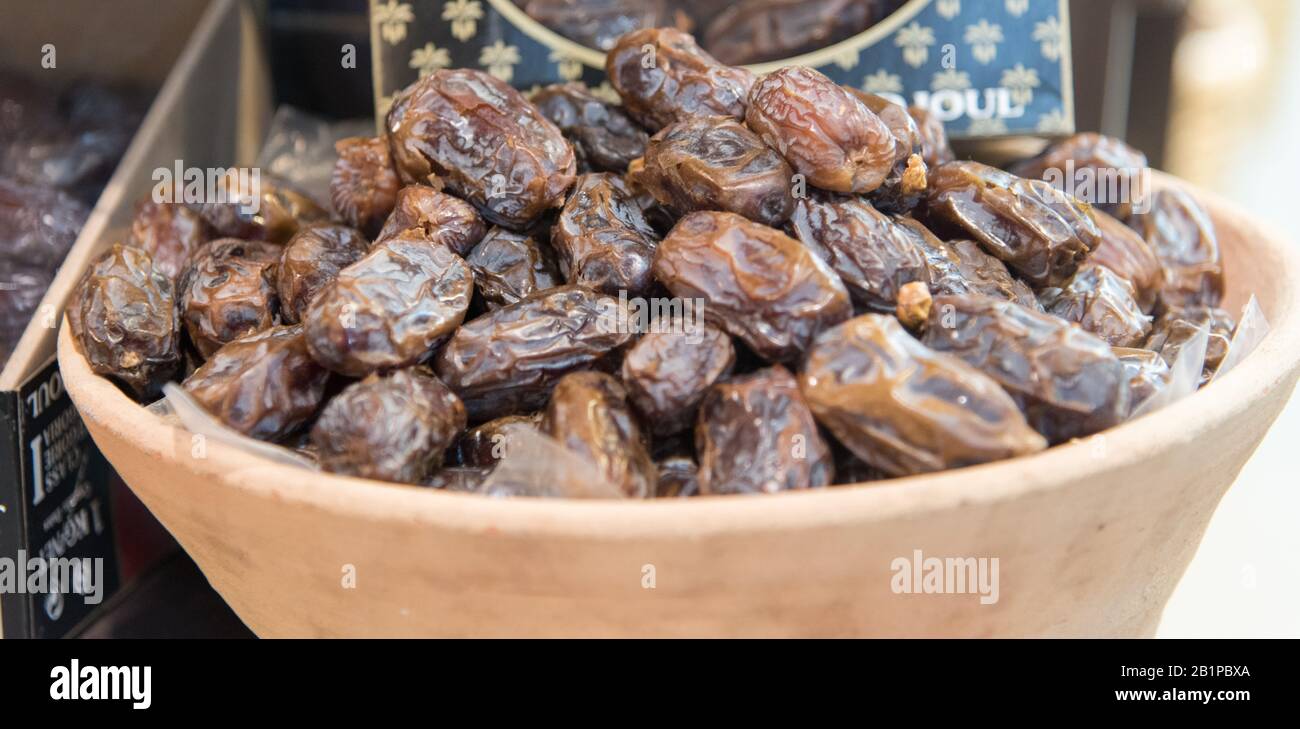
{"x": 668, "y": 371}
{"x": 715, "y": 163}
{"x": 755, "y": 434}
{"x": 663, "y": 76}
{"x": 363, "y": 183}
{"x": 507, "y": 360}
{"x": 391, "y": 427}
{"x": 758, "y": 284}
{"x": 258, "y": 207}
{"x": 264, "y": 385}
{"x": 424, "y": 212}
{"x": 228, "y": 291}
{"x": 905, "y": 408}
{"x": 1178, "y": 325}
{"x": 485, "y": 141}
{"x": 1101, "y": 302}
{"x": 604, "y": 138}
{"x": 589, "y": 415}
{"x": 391, "y": 308}
{"x": 823, "y": 130}
{"x": 754, "y": 31}
{"x": 312, "y": 259}
{"x": 1114, "y": 166}
{"x": 1039, "y": 232}
{"x": 123, "y": 314}
{"x": 1182, "y": 236}
{"x": 1067, "y": 381}
{"x": 1148, "y": 373}
{"x": 509, "y": 266}
{"x": 601, "y": 238}
{"x": 962, "y": 267}
{"x": 170, "y": 233}
{"x": 488, "y": 443}
{"x": 1123, "y": 251}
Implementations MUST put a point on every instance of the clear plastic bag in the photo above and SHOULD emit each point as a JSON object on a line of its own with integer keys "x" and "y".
{"x": 1251, "y": 329}
{"x": 299, "y": 149}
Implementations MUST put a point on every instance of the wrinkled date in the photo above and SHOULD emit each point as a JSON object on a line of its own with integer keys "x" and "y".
{"x": 1068, "y": 381}
{"x": 872, "y": 254}
{"x": 589, "y": 415}
{"x": 485, "y": 141}
{"x": 1178, "y": 325}
{"x": 1147, "y": 371}
{"x": 424, "y": 212}
{"x": 1038, "y": 231}
{"x": 604, "y": 138}
{"x": 363, "y": 183}
{"x": 269, "y": 210}
{"x": 229, "y": 291}
{"x": 906, "y": 409}
{"x": 506, "y": 361}
{"x": 823, "y": 131}
{"x": 1101, "y": 302}
{"x": 904, "y": 188}
{"x": 962, "y": 267}
{"x": 170, "y": 233}
{"x": 758, "y": 283}
{"x": 715, "y": 163}
{"x": 1124, "y": 252}
{"x": 509, "y": 266}
{"x": 312, "y": 259}
{"x": 755, "y": 434}
{"x": 391, "y": 428}
{"x": 1106, "y": 157}
{"x": 123, "y": 313}
{"x": 264, "y": 385}
{"x": 602, "y": 239}
{"x": 753, "y": 31}
{"x": 488, "y": 443}
{"x": 1182, "y": 236}
{"x": 933, "y": 138}
{"x": 389, "y": 309}
{"x": 668, "y": 372}
{"x": 663, "y": 76}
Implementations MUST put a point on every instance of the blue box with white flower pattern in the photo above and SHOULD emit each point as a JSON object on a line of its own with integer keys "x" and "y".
{"x": 987, "y": 68}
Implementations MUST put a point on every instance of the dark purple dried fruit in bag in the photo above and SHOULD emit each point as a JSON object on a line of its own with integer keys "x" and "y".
{"x": 1067, "y": 381}
{"x": 754, "y": 31}
{"x": 904, "y": 408}
{"x": 755, "y": 434}
{"x": 601, "y": 239}
{"x": 388, "y": 427}
{"x": 674, "y": 79}
{"x": 604, "y": 138}
{"x": 485, "y": 141}
{"x": 363, "y": 183}
{"x": 228, "y": 291}
{"x": 599, "y": 23}
{"x": 756, "y": 282}
{"x": 264, "y": 385}
{"x": 509, "y": 266}
{"x": 312, "y": 259}
{"x": 390, "y": 309}
{"x": 507, "y": 360}
{"x": 588, "y": 414}
{"x": 1042, "y": 234}
{"x": 823, "y": 130}
{"x": 123, "y": 314}
{"x": 715, "y": 163}
{"x": 668, "y": 371}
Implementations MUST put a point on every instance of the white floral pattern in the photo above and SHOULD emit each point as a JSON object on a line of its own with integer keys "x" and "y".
{"x": 1021, "y": 82}
{"x": 430, "y": 58}
{"x": 463, "y": 16}
{"x": 392, "y": 18}
{"x": 984, "y": 38}
{"x": 948, "y": 9}
{"x": 950, "y": 80}
{"x": 1017, "y": 8}
{"x": 883, "y": 82}
{"x": 569, "y": 68}
{"x": 1048, "y": 34}
{"x": 915, "y": 40}
{"x": 500, "y": 60}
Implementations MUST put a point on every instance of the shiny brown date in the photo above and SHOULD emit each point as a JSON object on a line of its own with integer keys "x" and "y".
{"x": 589, "y": 415}
{"x": 1148, "y": 373}
{"x": 604, "y": 138}
{"x": 363, "y": 183}
{"x": 758, "y": 283}
{"x": 663, "y": 76}
{"x": 264, "y": 385}
{"x": 229, "y": 291}
{"x": 905, "y": 408}
{"x": 823, "y": 131}
{"x": 485, "y": 141}
{"x": 1182, "y": 236}
{"x": 170, "y": 233}
{"x": 1067, "y": 381}
{"x": 1039, "y": 232}
{"x": 755, "y": 434}
{"x": 509, "y": 266}
{"x": 259, "y": 207}
{"x": 388, "y": 427}
{"x": 1101, "y": 302}
{"x": 1116, "y": 167}
{"x": 312, "y": 259}
{"x": 715, "y": 163}
{"x": 935, "y": 149}
{"x": 667, "y": 372}
{"x": 1123, "y": 251}
{"x": 507, "y": 360}
{"x": 123, "y": 314}
{"x": 488, "y": 443}
{"x": 602, "y": 240}
{"x": 1177, "y": 325}
{"x": 389, "y": 309}
{"x": 962, "y": 267}
{"x": 439, "y": 218}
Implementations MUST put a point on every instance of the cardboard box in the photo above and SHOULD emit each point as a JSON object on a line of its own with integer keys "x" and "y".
{"x": 987, "y": 68}
{"x": 57, "y": 495}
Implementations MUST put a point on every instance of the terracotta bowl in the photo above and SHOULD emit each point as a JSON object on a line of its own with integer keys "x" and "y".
{"x": 1090, "y": 538}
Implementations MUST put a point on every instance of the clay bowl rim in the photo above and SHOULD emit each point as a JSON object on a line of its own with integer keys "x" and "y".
{"x": 101, "y": 402}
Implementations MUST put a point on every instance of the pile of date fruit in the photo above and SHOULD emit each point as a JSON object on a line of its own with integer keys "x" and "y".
{"x": 873, "y": 307}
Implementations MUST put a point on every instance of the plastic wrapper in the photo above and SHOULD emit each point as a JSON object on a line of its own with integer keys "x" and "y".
{"x": 1251, "y": 329}
{"x": 536, "y": 465}
{"x": 198, "y": 421}
{"x": 1184, "y": 375}
{"x": 299, "y": 149}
